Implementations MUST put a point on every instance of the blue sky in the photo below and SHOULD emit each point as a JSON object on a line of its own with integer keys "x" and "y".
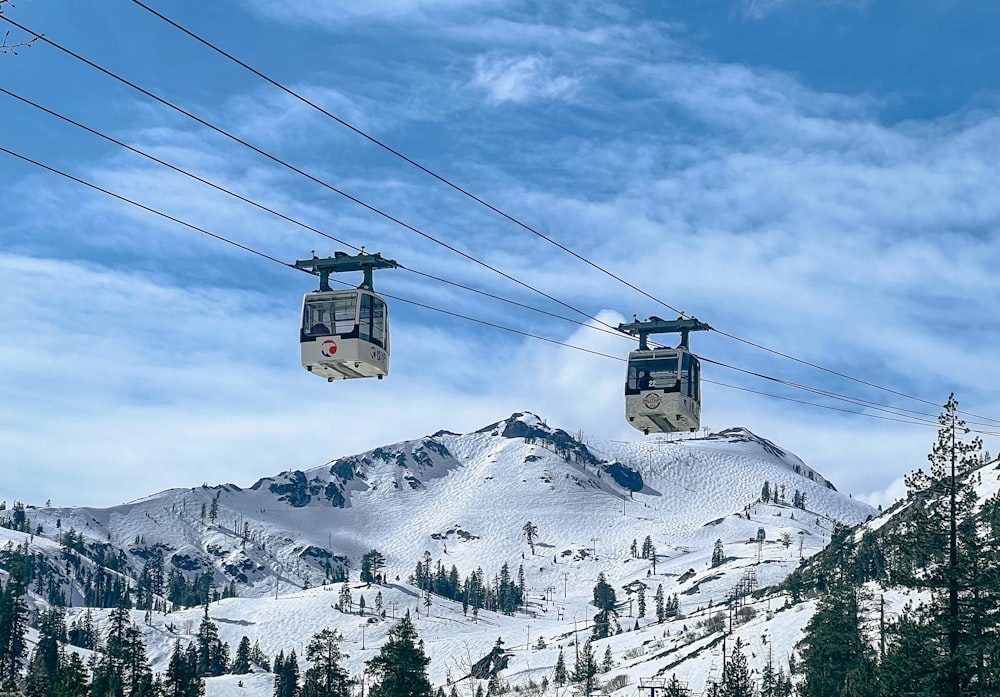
{"x": 812, "y": 175}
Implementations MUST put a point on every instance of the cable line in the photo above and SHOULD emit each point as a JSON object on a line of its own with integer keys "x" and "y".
{"x": 859, "y": 402}
{"x": 53, "y": 170}
{"x": 897, "y": 411}
{"x": 402, "y": 156}
{"x": 448, "y": 182}
{"x": 196, "y": 228}
{"x": 845, "y": 376}
{"x": 294, "y": 221}
{"x": 295, "y": 169}
{"x": 146, "y": 208}
{"x": 823, "y": 406}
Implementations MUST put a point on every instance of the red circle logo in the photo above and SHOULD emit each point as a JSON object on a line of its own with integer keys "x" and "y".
{"x": 328, "y": 348}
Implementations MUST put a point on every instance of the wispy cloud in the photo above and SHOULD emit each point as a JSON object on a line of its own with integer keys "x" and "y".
{"x": 520, "y": 79}
{"x": 334, "y": 12}
{"x": 773, "y": 210}
{"x": 758, "y": 9}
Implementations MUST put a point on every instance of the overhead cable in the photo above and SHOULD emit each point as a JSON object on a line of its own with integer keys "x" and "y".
{"x": 246, "y": 248}
{"x": 268, "y": 257}
{"x": 402, "y": 156}
{"x": 525, "y": 226}
{"x": 299, "y": 171}
{"x": 294, "y": 221}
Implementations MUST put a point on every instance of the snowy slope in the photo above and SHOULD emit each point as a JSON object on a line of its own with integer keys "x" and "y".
{"x": 465, "y": 499}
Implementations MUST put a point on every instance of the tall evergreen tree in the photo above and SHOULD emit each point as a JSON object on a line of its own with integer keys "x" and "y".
{"x": 400, "y": 668}
{"x": 73, "y": 679}
{"x": 559, "y": 673}
{"x": 181, "y": 678}
{"x": 647, "y": 547}
{"x": 326, "y": 677}
{"x": 44, "y": 669}
{"x": 213, "y": 654}
{"x": 371, "y": 566}
{"x": 585, "y": 670}
{"x": 13, "y": 626}
{"x": 675, "y": 688}
{"x": 718, "y": 553}
{"x": 241, "y": 662}
{"x": 286, "y": 681}
{"x": 736, "y": 680}
{"x": 947, "y": 547}
{"x": 608, "y": 662}
{"x": 835, "y": 654}
{"x": 661, "y": 613}
{"x": 344, "y": 602}
{"x": 604, "y": 594}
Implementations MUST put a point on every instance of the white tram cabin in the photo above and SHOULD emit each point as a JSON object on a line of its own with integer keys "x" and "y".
{"x": 345, "y": 334}
{"x": 663, "y": 390}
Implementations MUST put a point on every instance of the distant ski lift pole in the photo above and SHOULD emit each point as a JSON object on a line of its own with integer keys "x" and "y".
{"x": 663, "y": 386}
{"x": 345, "y": 333}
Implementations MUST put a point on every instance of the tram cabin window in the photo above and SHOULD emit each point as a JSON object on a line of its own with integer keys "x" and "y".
{"x": 371, "y": 321}
{"x": 690, "y": 379}
{"x": 653, "y": 373}
{"x": 333, "y": 315}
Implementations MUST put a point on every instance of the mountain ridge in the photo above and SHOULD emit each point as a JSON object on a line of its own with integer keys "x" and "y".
{"x": 463, "y": 499}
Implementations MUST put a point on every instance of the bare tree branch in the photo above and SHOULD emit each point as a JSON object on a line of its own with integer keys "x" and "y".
{"x": 5, "y": 45}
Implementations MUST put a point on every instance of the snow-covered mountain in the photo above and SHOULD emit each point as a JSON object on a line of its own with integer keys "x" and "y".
{"x": 465, "y": 499}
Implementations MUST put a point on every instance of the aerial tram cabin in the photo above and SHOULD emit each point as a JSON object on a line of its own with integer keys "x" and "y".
{"x": 663, "y": 385}
{"x": 345, "y": 333}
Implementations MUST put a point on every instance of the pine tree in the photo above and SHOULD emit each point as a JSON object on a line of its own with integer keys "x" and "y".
{"x": 765, "y": 493}
{"x": 736, "y": 680}
{"x": 604, "y": 594}
{"x": 371, "y": 566}
{"x": 181, "y": 678}
{"x": 344, "y": 603}
{"x": 834, "y": 651}
{"x": 661, "y": 614}
{"x": 642, "y": 600}
{"x": 495, "y": 687}
{"x": 602, "y": 625}
{"x": 13, "y": 625}
{"x": 258, "y": 657}
{"x": 109, "y": 668}
{"x": 674, "y": 688}
{"x": 44, "y": 669}
{"x": 400, "y": 668}
{"x": 585, "y": 671}
{"x": 647, "y": 546}
{"x": 949, "y": 549}
{"x": 768, "y": 679}
{"x": 213, "y": 655}
{"x": 241, "y": 662}
{"x": 73, "y": 681}
{"x": 608, "y": 662}
{"x": 718, "y": 554}
{"x": 326, "y": 677}
{"x": 559, "y": 674}
{"x": 286, "y": 682}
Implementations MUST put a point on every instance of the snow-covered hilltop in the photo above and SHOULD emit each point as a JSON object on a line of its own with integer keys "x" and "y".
{"x": 465, "y": 499}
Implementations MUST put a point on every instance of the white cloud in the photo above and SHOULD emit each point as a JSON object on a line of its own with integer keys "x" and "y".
{"x": 758, "y": 9}
{"x": 521, "y": 79}
{"x": 335, "y": 12}
{"x": 778, "y": 213}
